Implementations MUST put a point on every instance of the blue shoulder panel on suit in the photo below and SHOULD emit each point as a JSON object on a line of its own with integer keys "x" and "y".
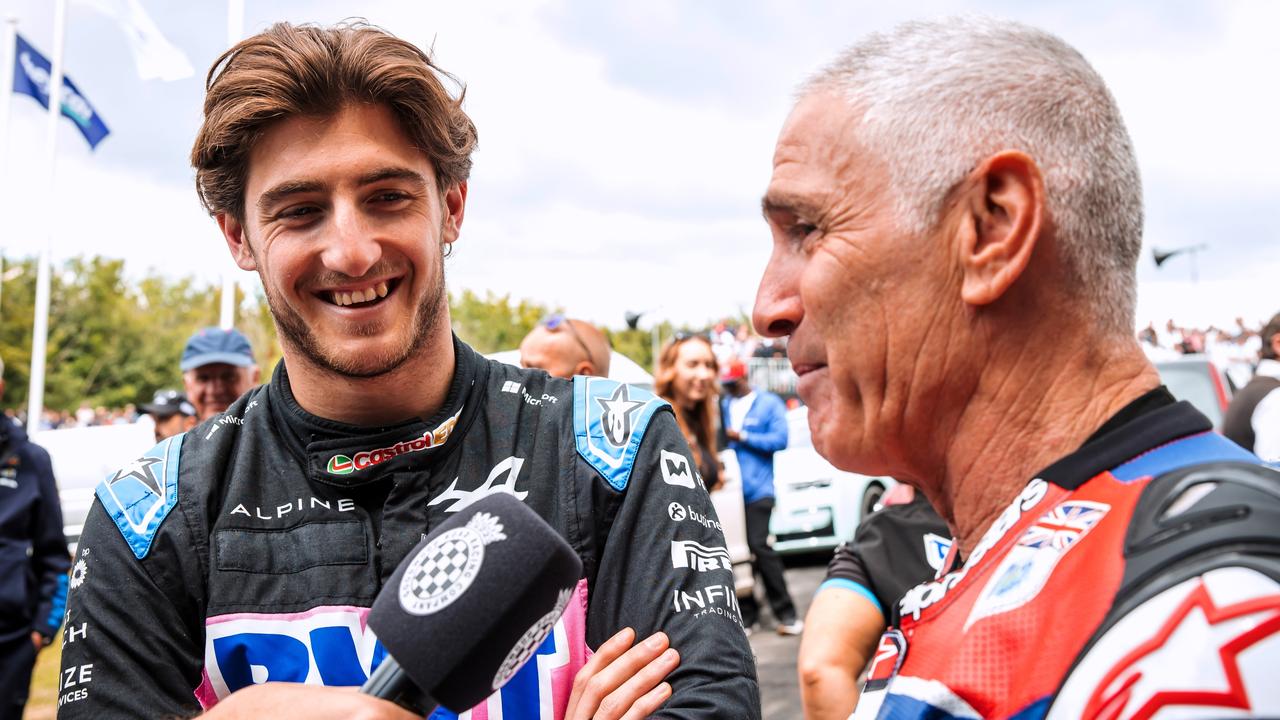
{"x": 609, "y": 419}
{"x": 1191, "y": 450}
{"x": 140, "y": 495}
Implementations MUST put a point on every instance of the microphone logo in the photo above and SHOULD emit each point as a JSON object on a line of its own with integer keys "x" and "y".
{"x": 443, "y": 570}
{"x": 529, "y": 642}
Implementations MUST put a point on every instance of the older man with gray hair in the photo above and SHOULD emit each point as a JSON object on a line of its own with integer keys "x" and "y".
{"x": 956, "y": 217}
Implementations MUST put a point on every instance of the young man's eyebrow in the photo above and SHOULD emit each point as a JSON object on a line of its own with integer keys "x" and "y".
{"x": 287, "y": 188}
{"x": 393, "y": 173}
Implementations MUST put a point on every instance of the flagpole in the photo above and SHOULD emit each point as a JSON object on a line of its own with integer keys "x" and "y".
{"x": 235, "y": 30}
{"x": 40, "y": 335}
{"x": 8, "y": 52}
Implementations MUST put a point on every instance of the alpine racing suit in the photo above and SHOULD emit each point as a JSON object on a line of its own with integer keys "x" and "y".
{"x": 250, "y": 549}
{"x": 1138, "y": 577}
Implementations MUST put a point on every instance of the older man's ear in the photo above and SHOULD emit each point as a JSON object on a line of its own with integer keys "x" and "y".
{"x": 1002, "y": 208}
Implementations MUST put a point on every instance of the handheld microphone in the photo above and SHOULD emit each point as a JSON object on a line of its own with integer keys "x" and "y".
{"x": 469, "y": 605}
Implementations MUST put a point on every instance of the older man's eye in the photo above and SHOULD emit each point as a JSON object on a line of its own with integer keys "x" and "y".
{"x": 801, "y": 231}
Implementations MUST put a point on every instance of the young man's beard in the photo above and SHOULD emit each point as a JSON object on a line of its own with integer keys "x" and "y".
{"x": 295, "y": 333}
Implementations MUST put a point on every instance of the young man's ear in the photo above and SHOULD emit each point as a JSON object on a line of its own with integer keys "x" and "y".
{"x": 1005, "y": 203}
{"x": 237, "y": 241}
{"x": 455, "y": 209}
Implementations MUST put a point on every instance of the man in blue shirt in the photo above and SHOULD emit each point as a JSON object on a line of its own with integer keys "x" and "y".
{"x": 755, "y": 424}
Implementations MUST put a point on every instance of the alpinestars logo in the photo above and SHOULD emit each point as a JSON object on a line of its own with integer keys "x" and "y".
{"x": 616, "y": 418}
{"x": 689, "y": 554}
{"x": 443, "y": 570}
{"x": 344, "y": 465}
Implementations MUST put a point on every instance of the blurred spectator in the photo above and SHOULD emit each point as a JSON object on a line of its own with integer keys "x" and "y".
{"x": 33, "y": 562}
{"x": 85, "y": 416}
{"x": 1253, "y": 418}
{"x": 217, "y": 367}
{"x": 171, "y": 412}
{"x": 755, "y": 423}
{"x": 565, "y": 347}
{"x": 893, "y": 550}
{"x": 686, "y": 378}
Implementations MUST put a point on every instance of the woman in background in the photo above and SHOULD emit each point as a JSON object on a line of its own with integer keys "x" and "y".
{"x": 687, "y": 378}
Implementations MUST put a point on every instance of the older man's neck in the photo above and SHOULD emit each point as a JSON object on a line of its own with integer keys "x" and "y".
{"x": 1024, "y": 418}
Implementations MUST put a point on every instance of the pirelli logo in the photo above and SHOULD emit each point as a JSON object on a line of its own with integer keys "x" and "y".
{"x": 689, "y": 554}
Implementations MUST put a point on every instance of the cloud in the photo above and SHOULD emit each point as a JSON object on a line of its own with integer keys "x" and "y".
{"x": 624, "y": 146}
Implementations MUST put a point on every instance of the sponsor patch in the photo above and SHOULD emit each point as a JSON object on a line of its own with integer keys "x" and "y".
{"x": 692, "y": 555}
{"x": 926, "y": 595}
{"x": 1023, "y": 573}
{"x": 676, "y": 469}
{"x": 340, "y": 464}
{"x": 890, "y": 653}
{"x": 443, "y": 570}
{"x": 78, "y": 573}
{"x": 140, "y": 495}
{"x": 936, "y": 549}
{"x": 609, "y": 419}
{"x": 333, "y": 645}
{"x": 508, "y": 470}
{"x": 680, "y": 512}
{"x": 718, "y": 599}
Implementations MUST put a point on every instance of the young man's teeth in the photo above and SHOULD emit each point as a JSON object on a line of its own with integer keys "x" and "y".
{"x": 360, "y": 296}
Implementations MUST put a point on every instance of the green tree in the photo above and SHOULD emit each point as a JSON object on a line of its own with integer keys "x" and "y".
{"x": 494, "y": 322}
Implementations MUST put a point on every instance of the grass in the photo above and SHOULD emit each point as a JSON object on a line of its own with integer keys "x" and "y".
{"x": 43, "y": 703}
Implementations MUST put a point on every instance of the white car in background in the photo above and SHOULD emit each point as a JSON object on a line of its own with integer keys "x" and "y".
{"x": 83, "y": 457}
{"x": 817, "y": 506}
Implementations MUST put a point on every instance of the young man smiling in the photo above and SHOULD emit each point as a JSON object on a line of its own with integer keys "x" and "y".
{"x": 246, "y": 552}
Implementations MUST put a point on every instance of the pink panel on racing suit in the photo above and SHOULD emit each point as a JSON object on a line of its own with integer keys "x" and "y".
{"x": 234, "y": 641}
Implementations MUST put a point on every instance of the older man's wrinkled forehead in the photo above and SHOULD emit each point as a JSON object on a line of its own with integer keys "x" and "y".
{"x": 819, "y": 157}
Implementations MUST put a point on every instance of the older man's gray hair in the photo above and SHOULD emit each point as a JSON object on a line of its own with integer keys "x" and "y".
{"x": 939, "y": 96}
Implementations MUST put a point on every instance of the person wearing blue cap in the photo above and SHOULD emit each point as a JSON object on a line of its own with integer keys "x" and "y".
{"x": 217, "y": 367}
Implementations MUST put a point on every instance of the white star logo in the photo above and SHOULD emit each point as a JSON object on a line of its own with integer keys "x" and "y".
{"x": 140, "y": 469}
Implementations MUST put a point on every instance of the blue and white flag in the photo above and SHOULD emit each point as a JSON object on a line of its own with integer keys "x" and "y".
{"x": 31, "y": 75}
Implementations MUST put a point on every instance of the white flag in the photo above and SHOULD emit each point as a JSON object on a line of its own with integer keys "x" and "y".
{"x": 154, "y": 55}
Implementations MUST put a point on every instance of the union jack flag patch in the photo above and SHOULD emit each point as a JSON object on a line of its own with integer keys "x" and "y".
{"x": 1065, "y": 524}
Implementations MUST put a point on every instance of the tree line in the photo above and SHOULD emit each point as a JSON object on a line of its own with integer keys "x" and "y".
{"x": 114, "y": 341}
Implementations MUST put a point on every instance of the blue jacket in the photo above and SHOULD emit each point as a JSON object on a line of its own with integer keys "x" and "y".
{"x": 764, "y": 433}
{"x": 33, "y": 551}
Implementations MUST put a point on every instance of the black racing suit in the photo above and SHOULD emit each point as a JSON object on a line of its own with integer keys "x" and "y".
{"x": 893, "y": 550}
{"x": 249, "y": 549}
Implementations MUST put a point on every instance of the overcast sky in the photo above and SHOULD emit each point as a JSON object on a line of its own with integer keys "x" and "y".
{"x": 624, "y": 145}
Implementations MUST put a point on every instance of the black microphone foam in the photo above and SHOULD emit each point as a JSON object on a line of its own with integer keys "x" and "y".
{"x": 475, "y": 599}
